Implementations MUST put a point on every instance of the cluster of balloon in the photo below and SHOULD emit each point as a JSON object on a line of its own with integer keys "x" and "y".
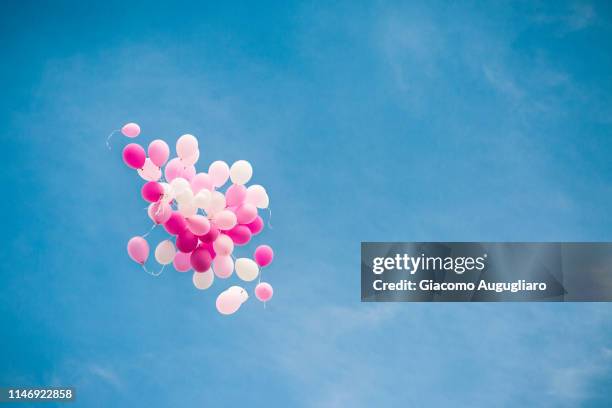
{"x": 205, "y": 224}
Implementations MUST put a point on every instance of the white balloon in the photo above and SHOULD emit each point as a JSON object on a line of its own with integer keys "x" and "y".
{"x": 202, "y": 199}
{"x": 191, "y": 159}
{"x": 149, "y": 171}
{"x": 179, "y": 185}
{"x": 186, "y": 145}
{"x": 217, "y": 203}
{"x": 168, "y": 192}
{"x": 257, "y": 196}
{"x": 225, "y": 219}
{"x": 185, "y": 196}
{"x": 246, "y": 269}
{"x": 203, "y": 280}
{"x": 228, "y": 302}
{"x": 187, "y": 208}
{"x": 243, "y": 294}
{"x": 164, "y": 252}
{"x": 241, "y": 172}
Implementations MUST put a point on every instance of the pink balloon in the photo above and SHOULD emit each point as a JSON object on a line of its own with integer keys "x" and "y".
{"x": 158, "y": 152}
{"x": 240, "y": 234}
{"x": 264, "y": 291}
{"x": 225, "y": 220}
{"x": 186, "y": 241}
{"x": 228, "y": 302}
{"x": 198, "y": 224}
{"x": 223, "y": 245}
{"x": 219, "y": 172}
{"x": 134, "y": 156}
{"x": 246, "y": 213}
{"x": 235, "y": 195}
{"x": 256, "y": 225}
{"x": 182, "y": 262}
{"x": 201, "y": 181}
{"x": 138, "y": 249}
{"x": 223, "y": 266}
{"x": 263, "y": 255}
{"x": 130, "y": 130}
{"x": 173, "y": 169}
{"x": 152, "y": 191}
{"x": 159, "y": 212}
{"x": 201, "y": 259}
{"x": 211, "y": 235}
{"x": 175, "y": 224}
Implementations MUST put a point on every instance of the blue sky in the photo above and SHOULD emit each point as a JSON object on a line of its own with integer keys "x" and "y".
{"x": 379, "y": 121}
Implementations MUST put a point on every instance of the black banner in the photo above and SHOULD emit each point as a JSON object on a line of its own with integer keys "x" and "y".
{"x": 486, "y": 272}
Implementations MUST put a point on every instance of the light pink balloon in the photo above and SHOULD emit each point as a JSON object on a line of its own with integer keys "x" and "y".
{"x": 219, "y": 172}
{"x": 264, "y": 291}
{"x": 160, "y": 212}
{"x": 225, "y": 220}
{"x": 223, "y": 266}
{"x": 201, "y": 181}
{"x": 246, "y": 213}
{"x": 235, "y": 195}
{"x": 198, "y": 224}
{"x": 138, "y": 249}
{"x": 223, "y": 245}
{"x": 134, "y": 155}
{"x": 149, "y": 171}
{"x": 228, "y": 302}
{"x": 130, "y": 130}
{"x": 159, "y": 151}
{"x": 173, "y": 169}
{"x": 263, "y": 255}
{"x": 182, "y": 262}
{"x": 188, "y": 172}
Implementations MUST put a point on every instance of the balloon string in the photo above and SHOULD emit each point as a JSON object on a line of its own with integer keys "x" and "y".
{"x": 270, "y": 218}
{"x": 109, "y": 138}
{"x": 153, "y": 273}
{"x": 152, "y": 228}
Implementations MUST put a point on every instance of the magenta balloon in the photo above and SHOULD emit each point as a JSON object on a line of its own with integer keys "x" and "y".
{"x": 182, "y": 262}
{"x": 134, "y": 156}
{"x": 175, "y": 224}
{"x": 263, "y": 255}
{"x": 201, "y": 259}
{"x": 130, "y": 130}
{"x": 201, "y": 181}
{"x": 240, "y": 234}
{"x": 186, "y": 241}
{"x": 209, "y": 248}
{"x": 160, "y": 212}
{"x": 158, "y": 152}
{"x": 173, "y": 169}
{"x": 256, "y": 225}
{"x": 246, "y": 213}
{"x": 235, "y": 195}
{"x": 138, "y": 249}
{"x": 211, "y": 235}
{"x": 264, "y": 291}
{"x": 152, "y": 191}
